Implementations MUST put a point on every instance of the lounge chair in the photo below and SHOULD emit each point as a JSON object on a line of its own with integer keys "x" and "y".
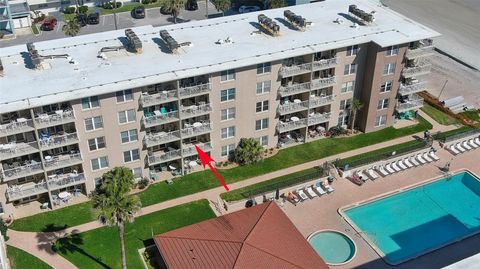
{"x": 311, "y": 193}
{"x": 466, "y": 145}
{"x": 328, "y": 188}
{"x": 407, "y": 163}
{"x": 472, "y": 143}
{"x": 301, "y": 195}
{"x": 395, "y": 166}
{"x": 434, "y": 156}
{"x": 477, "y": 140}
{"x": 420, "y": 159}
{"x": 413, "y": 161}
{"x": 382, "y": 171}
{"x": 355, "y": 179}
{"x": 453, "y": 149}
{"x": 371, "y": 173}
{"x": 319, "y": 189}
{"x": 427, "y": 158}
{"x": 390, "y": 169}
{"x": 401, "y": 165}
{"x": 460, "y": 148}
{"x": 361, "y": 175}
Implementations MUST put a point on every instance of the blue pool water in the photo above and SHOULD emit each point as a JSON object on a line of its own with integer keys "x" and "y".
{"x": 416, "y": 221}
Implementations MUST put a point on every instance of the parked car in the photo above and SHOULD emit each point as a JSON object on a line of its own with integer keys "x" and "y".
{"x": 165, "y": 10}
{"x": 138, "y": 12}
{"x": 93, "y": 18}
{"x": 48, "y": 24}
{"x": 191, "y": 5}
{"x": 82, "y": 19}
{"x": 246, "y": 9}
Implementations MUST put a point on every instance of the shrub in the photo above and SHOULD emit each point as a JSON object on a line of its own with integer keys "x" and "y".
{"x": 142, "y": 183}
{"x": 337, "y": 130}
{"x": 3, "y": 229}
{"x": 248, "y": 151}
{"x": 38, "y": 19}
{"x": 69, "y": 10}
{"x": 146, "y": 2}
{"x": 109, "y": 5}
{"x": 83, "y": 9}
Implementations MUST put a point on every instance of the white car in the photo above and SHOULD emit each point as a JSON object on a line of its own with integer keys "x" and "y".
{"x": 246, "y": 9}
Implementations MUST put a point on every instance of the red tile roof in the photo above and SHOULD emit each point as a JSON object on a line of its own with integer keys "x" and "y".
{"x": 258, "y": 237}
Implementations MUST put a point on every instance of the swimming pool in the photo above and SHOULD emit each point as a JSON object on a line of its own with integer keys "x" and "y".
{"x": 334, "y": 247}
{"x": 412, "y": 222}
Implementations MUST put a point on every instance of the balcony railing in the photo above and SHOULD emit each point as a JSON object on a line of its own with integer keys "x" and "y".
{"x": 161, "y": 157}
{"x": 323, "y": 82}
{"x": 14, "y": 127}
{"x": 194, "y": 110}
{"x": 22, "y": 171}
{"x": 60, "y": 161}
{"x": 65, "y": 180}
{"x": 59, "y": 117}
{"x": 194, "y": 90}
{"x": 190, "y": 150}
{"x": 21, "y": 191}
{"x": 414, "y": 102}
{"x": 319, "y": 118}
{"x": 157, "y": 98}
{"x": 321, "y": 100}
{"x": 58, "y": 141}
{"x": 324, "y": 64}
{"x": 406, "y": 89}
{"x": 153, "y": 139}
{"x": 288, "y": 71}
{"x": 421, "y": 68}
{"x": 292, "y": 107}
{"x": 12, "y": 150}
{"x": 154, "y": 120}
{"x": 204, "y": 128}
{"x": 291, "y": 125}
{"x": 294, "y": 89}
{"x": 423, "y": 51}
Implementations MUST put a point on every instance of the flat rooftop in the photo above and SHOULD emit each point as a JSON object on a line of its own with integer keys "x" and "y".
{"x": 59, "y": 80}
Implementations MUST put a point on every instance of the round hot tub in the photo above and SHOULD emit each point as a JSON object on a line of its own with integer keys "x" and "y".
{"x": 334, "y": 247}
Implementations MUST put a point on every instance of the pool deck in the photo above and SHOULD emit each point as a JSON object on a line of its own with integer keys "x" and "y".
{"x": 322, "y": 213}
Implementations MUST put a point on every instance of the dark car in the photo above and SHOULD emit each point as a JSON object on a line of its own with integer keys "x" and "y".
{"x": 48, "y": 24}
{"x": 81, "y": 19}
{"x": 138, "y": 12}
{"x": 191, "y": 5}
{"x": 165, "y": 10}
{"x": 93, "y": 18}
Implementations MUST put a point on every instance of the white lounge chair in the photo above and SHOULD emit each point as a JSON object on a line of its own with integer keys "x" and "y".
{"x": 372, "y": 173}
{"x": 311, "y": 193}
{"x": 427, "y": 158}
{"x": 453, "y": 149}
{"x": 473, "y": 144}
{"x": 402, "y": 165}
{"x": 477, "y": 140}
{"x": 407, "y": 163}
{"x": 390, "y": 169}
{"x": 319, "y": 189}
{"x": 420, "y": 159}
{"x": 382, "y": 171}
{"x": 328, "y": 188}
{"x": 395, "y": 167}
{"x": 361, "y": 175}
{"x": 434, "y": 156}
{"x": 460, "y": 148}
{"x": 466, "y": 145}
{"x": 413, "y": 161}
{"x": 302, "y": 195}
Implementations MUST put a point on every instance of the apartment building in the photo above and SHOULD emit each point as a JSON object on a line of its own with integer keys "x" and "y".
{"x": 71, "y": 109}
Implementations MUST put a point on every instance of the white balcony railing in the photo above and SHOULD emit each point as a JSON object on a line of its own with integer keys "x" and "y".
{"x": 153, "y": 139}
{"x": 288, "y": 71}
{"x": 22, "y": 171}
{"x": 154, "y": 120}
{"x": 324, "y": 64}
{"x": 57, "y": 118}
{"x": 292, "y": 107}
{"x": 423, "y": 51}
{"x": 65, "y": 180}
{"x": 291, "y": 125}
{"x": 190, "y": 150}
{"x": 59, "y": 161}
{"x": 319, "y": 118}
{"x": 321, "y": 100}
{"x": 157, "y": 98}
{"x": 160, "y": 157}
{"x": 204, "y": 128}
{"x": 323, "y": 82}
{"x": 14, "y": 127}
{"x": 406, "y": 89}
{"x": 194, "y": 110}
{"x": 194, "y": 90}
{"x": 26, "y": 190}
{"x": 58, "y": 141}
{"x": 422, "y": 68}
{"x": 414, "y": 102}
{"x": 12, "y": 150}
{"x": 295, "y": 88}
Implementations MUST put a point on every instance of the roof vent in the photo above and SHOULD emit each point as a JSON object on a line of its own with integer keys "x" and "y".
{"x": 360, "y": 14}
{"x": 338, "y": 21}
{"x": 34, "y": 56}
{"x": 296, "y": 20}
{"x": 134, "y": 42}
{"x": 269, "y": 25}
{"x": 228, "y": 40}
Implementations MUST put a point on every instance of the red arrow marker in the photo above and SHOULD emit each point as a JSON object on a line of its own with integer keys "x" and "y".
{"x": 206, "y": 159}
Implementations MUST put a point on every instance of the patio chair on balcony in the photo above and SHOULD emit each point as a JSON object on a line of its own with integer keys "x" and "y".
{"x": 163, "y": 111}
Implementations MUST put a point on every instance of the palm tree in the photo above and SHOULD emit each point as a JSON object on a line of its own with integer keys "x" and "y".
{"x": 354, "y": 108}
{"x": 174, "y": 6}
{"x": 276, "y": 3}
{"x": 248, "y": 151}
{"x": 114, "y": 205}
{"x": 222, "y": 5}
{"x": 72, "y": 27}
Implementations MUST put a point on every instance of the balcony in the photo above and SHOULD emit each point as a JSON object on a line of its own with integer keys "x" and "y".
{"x": 406, "y": 89}
{"x": 60, "y": 161}
{"x": 288, "y": 71}
{"x": 319, "y": 118}
{"x": 198, "y": 128}
{"x": 21, "y": 171}
{"x": 291, "y": 125}
{"x": 56, "y": 182}
{"x": 158, "y": 119}
{"x": 194, "y": 90}
{"x": 323, "y": 82}
{"x": 295, "y": 106}
{"x": 295, "y": 88}
{"x": 423, "y": 51}
{"x": 164, "y": 156}
{"x": 20, "y": 125}
{"x": 157, "y": 98}
{"x": 154, "y": 139}
{"x": 13, "y": 150}
{"x": 414, "y": 102}
{"x": 56, "y": 141}
{"x": 317, "y": 101}
{"x": 419, "y": 69}
{"x": 57, "y": 118}
{"x": 324, "y": 64}
{"x": 194, "y": 110}
{"x": 26, "y": 190}
{"x": 190, "y": 150}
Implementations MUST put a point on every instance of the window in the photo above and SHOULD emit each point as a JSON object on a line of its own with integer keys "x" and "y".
{"x": 264, "y": 68}
{"x": 263, "y": 87}
{"x": 137, "y": 172}
{"x": 348, "y": 86}
{"x": 124, "y": 96}
{"x": 129, "y": 136}
{"x": 228, "y": 114}
{"x": 96, "y": 143}
{"x": 227, "y": 95}
{"x": 227, "y": 75}
{"x": 386, "y": 87}
{"x": 90, "y": 102}
{"x": 352, "y": 50}
{"x": 382, "y": 104}
{"x": 263, "y": 140}
{"x": 228, "y": 132}
{"x": 389, "y": 68}
{"x": 262, "y": 106}
{"x": 261, "y": 124}
{"x": 126, "y": 116}
{"x": 350, "y": 69}
{"x": 227, "y": 150}
{"x": 392, "y": 50}
{"x": 380, "y": 120}
{"x": 131, "y": 155}
{"x": 93, "y": 123}
{"x": 345, "y": 104}
{"x": 99, "y": 163}
{"x": 343, "y": 120}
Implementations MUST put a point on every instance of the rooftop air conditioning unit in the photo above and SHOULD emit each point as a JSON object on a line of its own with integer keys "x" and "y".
{"x": 268, "y": 24}
{"x": 133, "y": 41}
{"x": 360, "y": 14}
{"x": 34, "y": 56}
{"x": 169, "y": 40}
{"x": 296, "y": 20}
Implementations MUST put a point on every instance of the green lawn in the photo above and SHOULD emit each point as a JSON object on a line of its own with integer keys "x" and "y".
{"x": 439, "y": 116}
{"x": 100, "y": 248}
{"x": 473, "y": 115}
{"x": 20, "y": 259}
{"x": 204, "y": 180}
{"x": 35, "y": 30}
